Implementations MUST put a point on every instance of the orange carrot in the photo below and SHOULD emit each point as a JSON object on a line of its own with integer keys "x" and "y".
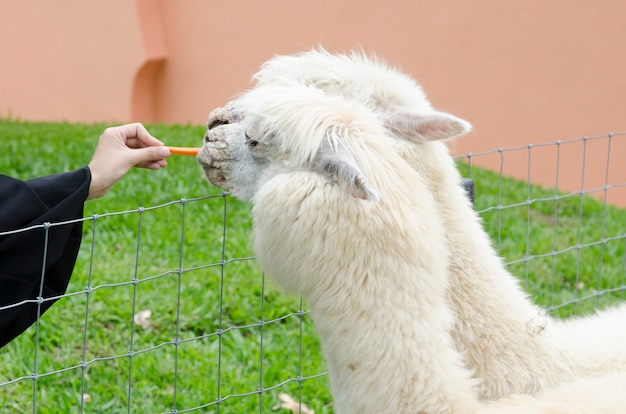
{"x": 184, "y": 150}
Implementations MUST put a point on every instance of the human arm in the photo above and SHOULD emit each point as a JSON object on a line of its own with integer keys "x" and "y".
{"x": 35, "y": 261}
{"x": 38, "y": 262}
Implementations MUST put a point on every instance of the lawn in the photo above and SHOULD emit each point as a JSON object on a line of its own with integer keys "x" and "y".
{"x": 221, "y": 338}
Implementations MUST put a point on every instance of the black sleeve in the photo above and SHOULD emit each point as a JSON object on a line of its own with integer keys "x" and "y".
{"x": 51, "y": 199}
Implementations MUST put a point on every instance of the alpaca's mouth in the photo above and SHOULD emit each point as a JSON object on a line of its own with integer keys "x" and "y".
{"x": 217, "y": 177}
{"x": 214, "y": 159}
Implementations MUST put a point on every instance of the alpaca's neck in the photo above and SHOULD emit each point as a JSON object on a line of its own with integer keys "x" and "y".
{"x": 493, "y": 311}
{"x": 476, "y": 266}
{"x": 375, "y": 276}
{"x": 390, "y": 351}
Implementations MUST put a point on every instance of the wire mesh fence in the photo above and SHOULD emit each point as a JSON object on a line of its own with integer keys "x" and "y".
{"x": 159, "y": 334}
{"x": 566, "y": 237}
{"x": 140, "y": 330}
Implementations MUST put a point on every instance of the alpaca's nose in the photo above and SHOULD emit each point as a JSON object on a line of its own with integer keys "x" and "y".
{"x": 217, "y": 122}
{"x": 208, "y": 137}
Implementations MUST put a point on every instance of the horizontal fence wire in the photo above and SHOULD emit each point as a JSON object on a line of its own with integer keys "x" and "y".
{"x": 222, "y": 347}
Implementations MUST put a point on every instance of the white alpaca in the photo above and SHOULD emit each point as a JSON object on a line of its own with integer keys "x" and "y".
{"x": 341, "y": 218}
{"x": 377, "y": 301}
{"x": 494, "y": 319}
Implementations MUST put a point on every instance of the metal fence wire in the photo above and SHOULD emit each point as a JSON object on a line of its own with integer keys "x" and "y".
{"x": 133, "y": 341}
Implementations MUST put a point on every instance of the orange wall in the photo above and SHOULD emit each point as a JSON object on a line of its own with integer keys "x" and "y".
{"x": 68, "y": 60}
{"x": 520, "y": 72}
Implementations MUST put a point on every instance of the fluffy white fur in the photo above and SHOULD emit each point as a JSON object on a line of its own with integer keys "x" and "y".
{"x": 377, "y": 298}
{"x": 494, "y": 319}
{"x": 597, "y": 395}
{"x": 341, "y": 218}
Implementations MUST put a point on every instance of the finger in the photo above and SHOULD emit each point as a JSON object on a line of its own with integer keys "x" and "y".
{"x": 138, "y": 135}
{"x": 154, "y": 165}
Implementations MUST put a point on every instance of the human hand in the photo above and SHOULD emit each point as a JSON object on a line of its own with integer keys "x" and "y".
{"x": 120, "y": 149}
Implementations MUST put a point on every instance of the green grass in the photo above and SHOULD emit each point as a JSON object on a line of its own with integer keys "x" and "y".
{"x": 193, "y": 270}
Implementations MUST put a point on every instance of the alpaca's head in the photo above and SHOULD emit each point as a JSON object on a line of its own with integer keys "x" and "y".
{"x": 278, "y": 127}
{"x": 353, "y": 76}
{"x": 398, "y": 100}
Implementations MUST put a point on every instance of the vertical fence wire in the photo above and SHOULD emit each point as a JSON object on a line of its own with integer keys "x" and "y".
{"x": 555, "y": 221}
{"x": 220, "y": 330}
{"x": 499, "y": 205}
{"x": 623, "y": 285}
{"x": 46, "y": 227}
{"x": 83, "y": 360}
{"x": 300, "y": 373}
{"x": 579, "y": 234}
{"x": 604, "y": 212}
{"x": 131, "y": 352}
{"x": 528, "y": 217}
{"x": 179, "y": 284}
{"x": 261, "y": 326}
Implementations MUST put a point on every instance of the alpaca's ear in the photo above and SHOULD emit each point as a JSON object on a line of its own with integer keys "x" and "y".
{"x": 335, "y": 162}
{"x": 424, "y": 126}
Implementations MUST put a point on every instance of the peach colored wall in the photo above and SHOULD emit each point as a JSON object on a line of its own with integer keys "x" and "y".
{"x": 68, "y": 60}
{"x": 520, "y": 72}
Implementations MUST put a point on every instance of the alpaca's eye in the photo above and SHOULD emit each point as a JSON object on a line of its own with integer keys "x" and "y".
{"x": 218, "y": 122}
{"x": 250, "y": 142}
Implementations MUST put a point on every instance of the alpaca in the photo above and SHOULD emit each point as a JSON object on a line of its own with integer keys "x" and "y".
{"x": 333, "y": 220}
{"x": 494, "y": 318}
